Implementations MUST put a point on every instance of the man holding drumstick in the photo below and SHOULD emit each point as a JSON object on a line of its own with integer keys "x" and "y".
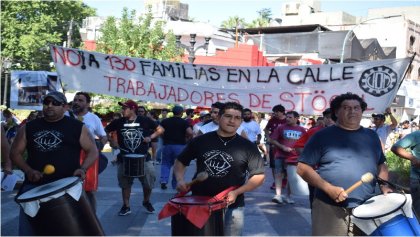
{"x": 343, "y": 153}
{"x": 134, "y": 134}
{"x": 227, "y": 158}
{"x": 53, "y": 140}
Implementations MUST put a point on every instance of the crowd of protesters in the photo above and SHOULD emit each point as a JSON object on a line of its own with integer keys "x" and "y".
{"x": 279, "y": 139}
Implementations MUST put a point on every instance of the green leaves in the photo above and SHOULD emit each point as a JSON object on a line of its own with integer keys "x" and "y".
{"x": 137, "y": 37}
{"x": 28, "y": 27}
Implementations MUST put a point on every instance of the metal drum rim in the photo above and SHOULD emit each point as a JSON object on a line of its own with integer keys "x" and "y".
{"x": 77, "y": 179}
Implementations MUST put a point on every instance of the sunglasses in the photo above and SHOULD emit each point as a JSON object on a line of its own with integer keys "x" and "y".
{"x": 54, "y": 102}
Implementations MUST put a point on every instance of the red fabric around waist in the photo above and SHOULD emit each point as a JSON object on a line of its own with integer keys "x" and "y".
{"x": 197, "y": 209}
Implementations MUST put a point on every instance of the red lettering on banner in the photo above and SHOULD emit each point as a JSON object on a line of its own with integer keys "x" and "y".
{"x": 77, "y": 56}
{"x": 302, "y": 99}
{"x": 182, "y": 91}
{"x": 140, "y": 87}
{"x": 266, "y": 101}
{"x": 60, "y": 52}
{"x": 164, "y": 90}
{"x": 208, "y": 96}
{"x": 120, "y": 83}
{"x": 285, "y": 98}
{"x": 254, "y": 101}
{"x": 220, "y": 97}
{"x": 130, "y": 87}
{"x": 109, "y": 81}
{"x": 116, "y": 63}
{"x": 319, "y": 102}
{"x": 152, "y": 90}
{"x": 233, "y": 97}
{"x": 193, "y": 95}
{"x": 171, "y": 94}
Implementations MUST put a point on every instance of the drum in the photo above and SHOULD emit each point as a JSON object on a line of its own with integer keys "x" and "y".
{"x": 191, "y": 210}
{"x": 133, "y": 165}
{"x": 60, "y": 208}
{"x": 387, "y": 215}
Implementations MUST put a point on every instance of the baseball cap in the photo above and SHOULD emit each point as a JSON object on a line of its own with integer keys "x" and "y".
{"x": 380, "y": 116}
{"x": 129, "y": 104}
{"x": 204, "y": 113}
{"x": 58, "y": 96}
{"x": 177, "y": 109}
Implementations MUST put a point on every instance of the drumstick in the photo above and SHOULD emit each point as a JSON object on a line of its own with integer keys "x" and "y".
{"x": 366, "y": 178}
{"x": 48, "y": 169}
{"x": 200, "y": 178}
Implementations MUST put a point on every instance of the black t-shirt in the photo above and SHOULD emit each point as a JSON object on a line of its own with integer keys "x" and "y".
{"x": 56, "y": 143}
{"x": 131, "y": 134}
{"x": 175, "y": 130}
{"x": 226, "y": 165}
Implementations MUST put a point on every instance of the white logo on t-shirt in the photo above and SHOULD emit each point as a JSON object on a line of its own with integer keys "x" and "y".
{"x": 48, "y": 140}
{"x": 217, "y": 163}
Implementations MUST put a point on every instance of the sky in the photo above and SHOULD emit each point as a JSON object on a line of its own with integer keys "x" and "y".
{"x": 216, "y": 11}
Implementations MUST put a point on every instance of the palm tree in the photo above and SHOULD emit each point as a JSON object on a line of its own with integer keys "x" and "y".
{"x": 233, "y": 22}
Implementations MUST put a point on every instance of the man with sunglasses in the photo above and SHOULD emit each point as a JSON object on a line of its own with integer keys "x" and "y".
{"x": 230, "y": 161}
{"x": 56, "y": 140}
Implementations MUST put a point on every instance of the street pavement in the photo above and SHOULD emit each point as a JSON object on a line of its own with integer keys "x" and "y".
{"x": 262, "y": 217}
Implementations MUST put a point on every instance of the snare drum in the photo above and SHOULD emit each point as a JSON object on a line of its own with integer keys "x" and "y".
{"x": 133, "y": 165}
{"x": 387, "y": 215}
{"x": 197, "y": 207}
{"x": 60, "y": 208}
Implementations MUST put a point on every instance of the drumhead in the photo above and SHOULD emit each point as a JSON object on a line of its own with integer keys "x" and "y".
{"x": 134, "y": 155}
{"x": 48, "y": 189}
{"x": 379, "y": 206}
{"x": 195, "y": 200}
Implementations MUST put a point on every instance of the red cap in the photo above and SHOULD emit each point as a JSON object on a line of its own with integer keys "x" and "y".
{"x": 129, "y": 104}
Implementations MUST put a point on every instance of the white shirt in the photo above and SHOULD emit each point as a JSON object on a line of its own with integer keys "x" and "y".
{"x": 252, "y": 129}
{"x": 383, "y": 132}
{"x": 94, "y": 124}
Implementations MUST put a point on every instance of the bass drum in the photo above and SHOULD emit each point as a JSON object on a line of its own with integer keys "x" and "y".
{"x": 60, "y": 208}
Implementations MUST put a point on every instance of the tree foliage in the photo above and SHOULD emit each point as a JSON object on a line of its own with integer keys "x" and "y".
{"x": 233, "y": 22}
{"x": 263, "y": 20}
{"x": 135, "y": 37}
{"x": 28, "y": 27}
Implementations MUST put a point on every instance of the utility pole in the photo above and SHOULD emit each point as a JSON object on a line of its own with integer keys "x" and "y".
{"x": 69, "y": 33}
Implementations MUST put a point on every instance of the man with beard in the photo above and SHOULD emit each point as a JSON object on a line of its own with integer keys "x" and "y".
{"x": 81, "y": 112}
{"x": 56, "y": 140}
{"x": 251, "y": 127}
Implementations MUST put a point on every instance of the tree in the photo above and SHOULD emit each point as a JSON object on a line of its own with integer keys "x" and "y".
{"x": 233, "y": 22}
{"x": 263, "y": 20}
{"x": 136, "y": 37}
{"x": 28, "y": 27}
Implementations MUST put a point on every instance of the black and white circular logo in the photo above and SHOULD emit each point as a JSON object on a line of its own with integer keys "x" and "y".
{"x": 378, "y": 81}
{"x": 217, "y": 163}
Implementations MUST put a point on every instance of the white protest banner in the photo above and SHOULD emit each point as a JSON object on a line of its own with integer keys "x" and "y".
{"x": 29, "y": 87}
{"x": 305, "y": 89}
